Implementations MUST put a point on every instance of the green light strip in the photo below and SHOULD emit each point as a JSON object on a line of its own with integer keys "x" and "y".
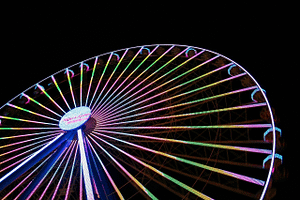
{"x": 188, "y": 188}
{"x": 135, "y": 78}
{"x": 36, "y": 102}
{"x": 106, "y": 172}
{"x": 213, "y": 169}
{"x": 92, "y": 77}
{"x": 108, "y": 80}
{"x": 187, "y": 114}
{"x": 71, "y": 88}
{"x": 125, "y": 171}
{"x": 112, "y": 119}
{"x": 60, "y": 92}
{"x": 228, "y": 147}
{"x": 31, "y": 112}
{"x": 100, "y": 79}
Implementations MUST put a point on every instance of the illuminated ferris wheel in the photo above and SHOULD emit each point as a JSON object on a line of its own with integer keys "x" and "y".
{"x": 148, "y": 122}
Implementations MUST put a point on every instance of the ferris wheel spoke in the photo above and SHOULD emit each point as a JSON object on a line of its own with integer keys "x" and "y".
{"x": 26, "y": 146}
{"x": 101, "y": 106}
{"x": 72, "y": 171}
{"x": 165, "y": 83}
{"x": 120, "y": 76}
{"x": 27, "y": 120}
{"x": 29, "y": 134}
{"x": 190, "y": 127}
{"x": 176, "y": 96}
{"x": 118, "y": 116}
{"x": 33, "y": 159}
{"x": 26, "y": 141}
{"x": 81, "y": 80}
{"x": 41, "y": 105}
{"x": 91, "y": 80}
{"x": 132, "y": 89}
{"x": 31, "y": 112}
{"x": 24, "y": 179}
{"x": 142, "y": 187}
{"x": 60, "y": 92}
{"x": 213, "y": 169}
{"x": 28, "y": 128}
{"x": 65, "y": 153}
{"x": 186, "y": 114}
{"x": 204, "y": 144}
{"x": 20, "y": 154}
{"x": 106, "y": 172}
{"x": 100, "y": 80}
{"x": 104, "y": 104}
{"x": 107, "y": 81}
{"x": 70, "y": 85}
{"x": 52, "y": 100}
{"x": 143, "y": 79}
{"x": 39, "y": 179}
{"x": 170, "y": 178}
{"x": 85, "y": 169}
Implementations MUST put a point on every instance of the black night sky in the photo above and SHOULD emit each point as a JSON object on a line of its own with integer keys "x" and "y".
{"x": 38, "y": 41}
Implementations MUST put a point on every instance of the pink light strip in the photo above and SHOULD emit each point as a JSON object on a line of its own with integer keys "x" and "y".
{"x": 100, "y": 80}
{"x": 190, "y": 127}
{"x": 32, "y": 156}
{"x": 55, "y": 172}
{"x": 24, "y": 179}
{"x": 28, "y": 128}
{"x": 18, "y": 155}
{"x": 31, "y": 99}
{"x": 189, "y": 114}
{"x": 115, "y": 90}
{"x": 26, "y": 135}
{"x": 70, "y": 85}
{"x": 119, "y": 118}
{"x": 141, "y": 82}
{"x": 207, "y": 61}
{"x": 25, "y": 141}
{"x": 213, "y": 145}
{"x": 45, "y": 175}
{"x": 107, "y": 104}
{"x": 103, "y": 108}
{"x": 43, "y": 90}
{"x": 64, "y": 170}
{"x": 71, "y": 174}
{"x": 190, "y": 189}
{"x": 27, "y": 120}
{"x": 24, "y": 147}
{"x": 125, "y": 171}
{"x": 220, "y": 171}
{"x": 81, "y": 80}
{"x": 106, "y": 172}
{"x": 176, "y": 96}
{"x": 92, "y": 77}
{"x": 116, "y": 67}
{"x": 60, "y": 92}
{"x": 31, "y": 112}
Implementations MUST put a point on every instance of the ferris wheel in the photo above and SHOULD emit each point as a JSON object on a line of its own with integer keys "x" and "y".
{"x": 147, "y": 122}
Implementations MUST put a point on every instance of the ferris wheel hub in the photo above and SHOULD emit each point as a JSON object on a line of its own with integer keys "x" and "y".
{"x": 75, "y": 118}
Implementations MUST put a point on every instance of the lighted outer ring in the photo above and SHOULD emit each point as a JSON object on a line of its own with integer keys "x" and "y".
{"x": 263, "y": 93}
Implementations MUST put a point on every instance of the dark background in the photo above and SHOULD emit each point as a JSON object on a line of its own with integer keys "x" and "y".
{"x": 39, "y": 40}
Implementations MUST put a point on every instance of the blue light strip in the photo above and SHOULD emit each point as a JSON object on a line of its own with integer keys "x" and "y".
{"x": 85, "y": 168}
